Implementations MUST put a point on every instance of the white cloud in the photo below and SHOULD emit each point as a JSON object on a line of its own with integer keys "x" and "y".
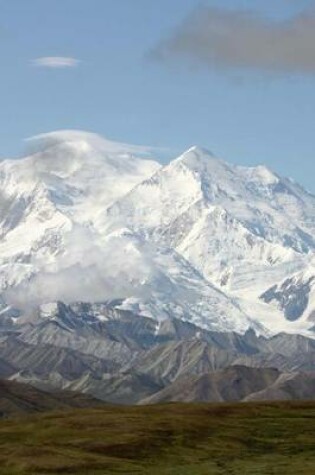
{"x": 56, "y": 62}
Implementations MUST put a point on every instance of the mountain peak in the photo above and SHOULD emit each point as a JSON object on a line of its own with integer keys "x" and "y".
{"x": 197, "y": 158}
{"x": 203, "y": 162}
{"x": 199, "y": 151}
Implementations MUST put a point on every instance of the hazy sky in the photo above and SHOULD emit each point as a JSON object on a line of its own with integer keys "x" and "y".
{"x": 237, "y": 77}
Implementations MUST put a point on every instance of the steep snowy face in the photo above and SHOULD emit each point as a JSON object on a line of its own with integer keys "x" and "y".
{"x": 84, "y": 171}
{"x": 243, "y": 229}
{"x": 76, "y": 174}
{"x": 220, "y": 216}
{"x": 50, "y": 199}
{"x": 267, "y": 206}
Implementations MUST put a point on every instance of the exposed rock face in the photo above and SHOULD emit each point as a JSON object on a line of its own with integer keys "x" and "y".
{"x": 293, "y": 296}
{"x": 234, "y": 383}
{"x": 289, "y": 386}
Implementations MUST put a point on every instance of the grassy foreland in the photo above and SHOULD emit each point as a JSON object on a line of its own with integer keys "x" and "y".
{"x": 172, "y": 439}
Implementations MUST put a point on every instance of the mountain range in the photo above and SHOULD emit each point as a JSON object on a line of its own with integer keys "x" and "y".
{"x": 121, "y": 277}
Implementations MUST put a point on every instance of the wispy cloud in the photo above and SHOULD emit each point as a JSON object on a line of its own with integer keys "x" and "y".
{"x": 56, "y": 62}
{"x": 242, "y": 40}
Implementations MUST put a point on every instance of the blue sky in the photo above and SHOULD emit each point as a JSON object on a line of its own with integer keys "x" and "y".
{"x": 119, "y": 91}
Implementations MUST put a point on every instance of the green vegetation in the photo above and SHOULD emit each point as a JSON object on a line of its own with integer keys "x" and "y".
{"x": 172, "y": 439}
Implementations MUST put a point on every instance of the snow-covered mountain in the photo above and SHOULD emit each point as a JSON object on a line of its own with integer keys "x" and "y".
{"x": 225, "y": 247}
{"x": 241, "y": 228}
